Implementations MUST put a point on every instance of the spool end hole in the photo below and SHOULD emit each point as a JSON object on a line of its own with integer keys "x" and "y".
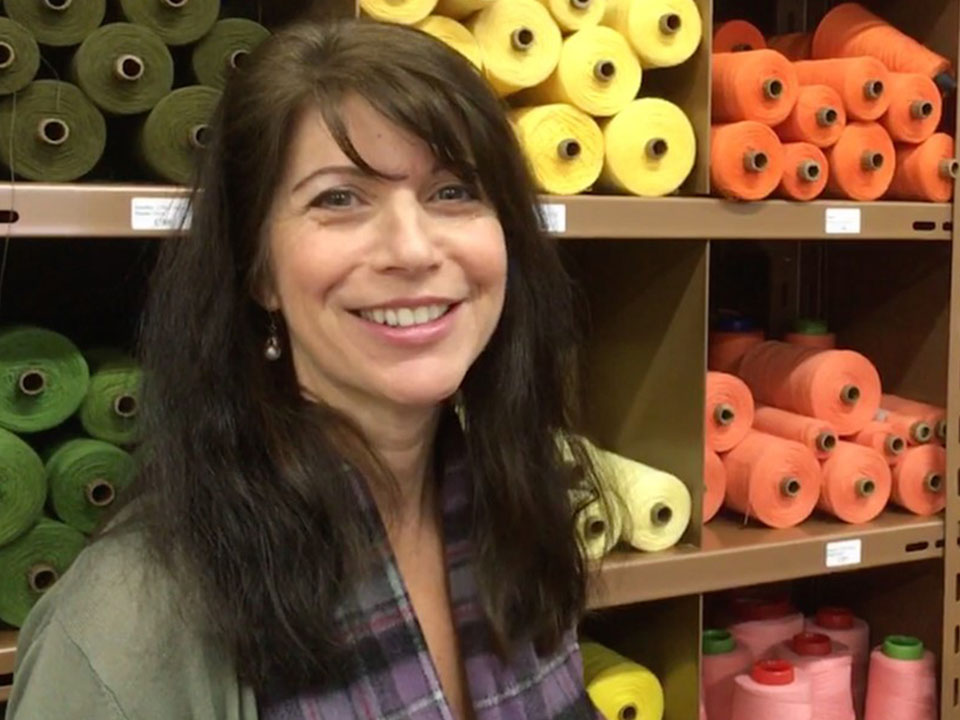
{"x": 606, "y": 69}
{"x": 850, "y": 394}
{"x": 671, "y": 23}
{"x": 238, "y": 58}
{"x": 570, "y": 149}
{"x": 596, "y": 528}
{"x": 791, "y": 487}
{"x": 874, "y": 89}
{"x": 828, "y": 441}
{"x": 934, "y": 482}
{"x": 926, "y": 109}
{"x": 773, "y": 88}
{"x": 32, "y": 382}
{"x": 742, "y": 47}
{"x": 7, "y": 55}
{"x": 760, "y": 160}
{"x": 580, "y": 4}
{"x": 867, "y": 487}
{"x": 130, "y": 67}
{"x": 58, "y": 4}
{"x": 101, "y": 493}
{"x": 831, "y": 116}
{"x": 126, "y": 406}
{"x": 897, "y": 445}
{"x": 176, "y": 4}
{"x": 42, "y": 577}
{"x": 54, "y": 131}
{"x": 657, "y": 148}
{"x": 523, "y": 38}
{"x": 200, "y": 136}
{"x": 628, "y": 712}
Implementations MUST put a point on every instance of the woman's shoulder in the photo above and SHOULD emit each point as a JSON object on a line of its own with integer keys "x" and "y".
{"x": 140, "y": 649}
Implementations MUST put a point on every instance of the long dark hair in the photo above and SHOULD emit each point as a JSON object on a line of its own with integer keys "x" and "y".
{"x": 240, "y": 494}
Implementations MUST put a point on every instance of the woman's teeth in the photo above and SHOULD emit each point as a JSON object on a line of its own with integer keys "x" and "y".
{"x": 405, "y": 317}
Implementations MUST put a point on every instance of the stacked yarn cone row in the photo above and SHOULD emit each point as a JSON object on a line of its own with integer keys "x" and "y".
{"x": 851, "y": 111}
{"x": 792, "y": 427}
{"x": 574, "y": 71}
{"x": 68, "y": 422}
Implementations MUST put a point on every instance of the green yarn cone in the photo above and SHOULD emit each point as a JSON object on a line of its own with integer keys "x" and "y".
{"x": 222, "y": 50}
{"x": 85, "y": 476}
{"x": 43, "y": 379}
{"x": 177, "y": 22}
{"x": 109, "y": 411}
{"x": 58, "y": 23}
{"x": 31, "y": 565}
{"x": 23, "y": 487}
{"x": 55, "y": 134}
{"x": 173, "y": 135}
{"x": 124, "y": 68}
{"x": 19, "y": 56}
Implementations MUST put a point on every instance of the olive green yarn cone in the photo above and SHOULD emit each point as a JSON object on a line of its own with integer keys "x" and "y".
{"x": 223, "y": 49}
{"x": 43, "y": 379}
{"x": 54, "y": 132}
{"x": 175, "y": 132}
{"x": 178, "y": 22}
{"x": 58, "y": 23}
{"x": 23, "y": 487}
{"x": 31, "y": 565}
{"x": 19, "y": 56}
{"x": 85, "y": 477}
{"x": 124, "y": 68}
{"x": 110, "y": 409}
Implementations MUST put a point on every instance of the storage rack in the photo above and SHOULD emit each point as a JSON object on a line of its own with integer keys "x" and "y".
{"x": 645, "y": 266}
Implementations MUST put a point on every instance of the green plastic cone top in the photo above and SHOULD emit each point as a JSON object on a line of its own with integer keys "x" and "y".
{"x": 59, "y": 23}
{"x": 54, "y": 132}
{"x": 19, "y": 56}
{"x": 23, "y": 487}
{"x": 43, "y": 379}
{"x": 175, "y": 132}
{"x": 903, "y": 647}
{"x": 178, "y": 22}
{"x": 810, "y": 326}
{"x": 124, "y": 68}
{"x": 85, "y": 477}
{"x": 112, "y": 406}
{"x": 223, "y": 49}
{"x": 31, "y": 565}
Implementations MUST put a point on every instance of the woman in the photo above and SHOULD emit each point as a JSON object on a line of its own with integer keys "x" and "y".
{"x": 352, "y": 502}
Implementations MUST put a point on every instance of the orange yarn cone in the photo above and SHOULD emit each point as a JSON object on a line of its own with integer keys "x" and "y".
{"x": 756, "y": 85}
{"x": 856, "y": 483}
{"x": 919, "y": 480}
{"x": 925, "y": 172}
{"x": 915, "y": 108}
{"x": 746, "y": 160}
{"x": 816, "y": 435}
{"x": 850, "y": 30}
{"x": 914, "y": 428}
{"x": 793, "y": 46}
{"x": 862, "y": 83}
{"x": 818, "y": 117}
{"x": 729, "y": 411}
{"x": 862, "y": 163}
{"x": 841, "y": 387}
{"x": 725, "y": 349}
{"x": 935, "y": 416}
{"x": 774, "y": 480}
{"x": 714, "y": 484}
{"x": 884, "y": 438}
{"x": 805, "y": 172}
{"x": 737, "y": 36}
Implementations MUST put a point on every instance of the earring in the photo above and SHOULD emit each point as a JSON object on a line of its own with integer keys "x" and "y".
{"x": 272, "y": 350}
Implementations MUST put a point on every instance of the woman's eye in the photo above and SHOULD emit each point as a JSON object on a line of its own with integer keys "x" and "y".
{"x": 456, "y": 192}
{"x": 335, "y": 199}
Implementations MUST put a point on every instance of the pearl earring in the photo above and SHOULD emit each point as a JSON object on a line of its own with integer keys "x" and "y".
{"x": 272, "y": 350}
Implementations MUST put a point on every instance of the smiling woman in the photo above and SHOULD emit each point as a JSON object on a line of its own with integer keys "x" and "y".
{"x": 353, "y": 500}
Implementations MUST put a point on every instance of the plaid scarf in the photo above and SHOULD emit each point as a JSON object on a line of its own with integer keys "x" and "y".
{"x": 391, "y": 675}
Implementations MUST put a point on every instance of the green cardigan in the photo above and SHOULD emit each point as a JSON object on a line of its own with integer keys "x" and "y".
{"x": 108, "y": 643}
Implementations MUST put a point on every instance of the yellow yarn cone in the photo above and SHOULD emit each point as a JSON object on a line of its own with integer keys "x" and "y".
{"x": 598, "y": 73}
{"x": 459, "y": 9}
{"x": 650, "y": 148}
{"x": 598, "y": 525}
{"x": 573, "y": 15}
{"x": 519, "y": 41}
{"x": 563, "y": 146}
{"x": 662, "y": 32}
{"x": 449, "y": 31}
{"x": 619, "y": 687}
{"x": 402, "y": 12}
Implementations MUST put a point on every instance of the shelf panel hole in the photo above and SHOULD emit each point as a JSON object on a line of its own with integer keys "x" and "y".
{"x": 948, "y": 225}
{"x": 8, "y": 217}
{"x": 921, "y": 545}
{"x": 938, "y": 543}
{"x": 924, "y": 225}
{"x": 956, "y": 639}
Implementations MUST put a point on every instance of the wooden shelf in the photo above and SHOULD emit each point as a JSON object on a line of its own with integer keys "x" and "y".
{"x": 8, "y": 651}
{"x": 92, "y": 210}
{"x": 733, "y": 555}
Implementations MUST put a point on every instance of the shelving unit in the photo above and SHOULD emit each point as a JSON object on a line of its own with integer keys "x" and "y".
{"x": 648, "y": 268}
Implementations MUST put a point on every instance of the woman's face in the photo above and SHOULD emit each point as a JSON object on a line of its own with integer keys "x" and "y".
{"x": 390, "y": 288}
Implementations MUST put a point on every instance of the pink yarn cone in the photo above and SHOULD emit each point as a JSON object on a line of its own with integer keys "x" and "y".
{"x": 840, "y": 625}
{"x": 829, "y": 666}
{"x": 774, "y": 690}
{"x": 766, "y": 625}
{"x": 902, "y": 686}
{"x": 723, "y": 660}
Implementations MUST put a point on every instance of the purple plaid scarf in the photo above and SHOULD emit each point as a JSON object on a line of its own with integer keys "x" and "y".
{"x": 391, "y": 674}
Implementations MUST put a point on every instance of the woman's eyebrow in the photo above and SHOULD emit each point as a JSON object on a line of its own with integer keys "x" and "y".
{"x": 329, "y": 170}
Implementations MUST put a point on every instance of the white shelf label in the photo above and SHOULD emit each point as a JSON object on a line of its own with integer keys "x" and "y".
{"x": 843, "y": 221}
{"x": 157, "y": 213}
{"x": 844, "y": 552}
{"x": 554, "y": 217}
